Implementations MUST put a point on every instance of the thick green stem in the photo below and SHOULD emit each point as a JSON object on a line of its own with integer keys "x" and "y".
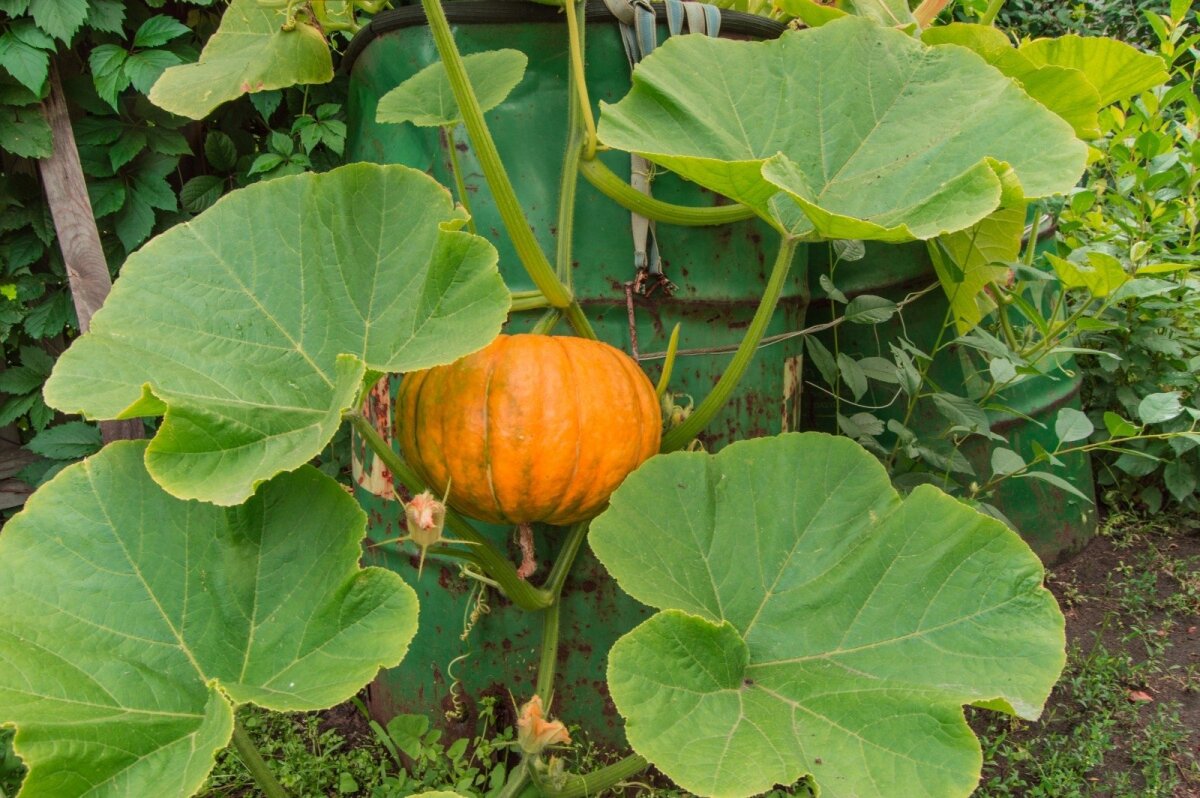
{"x": 548, "y": 664}
{"x": 546, "y": 324}
{"x": 459, "y": 184}
{"x": 528, "y": 300}
{"x": 989, "y": 14}
{"x": 255, "y": 764}
{"x": 619, "y": 191}
{"x": 509, "y": 208}
{"x": 569, "y": 183}
{"x": 577, "y": 786}
{"x": 493, "y": 563}
{"x": 517, "y": 779}
{"x": 554, "y": 585}
{"x": 575, "y": 25}
{"x": 712, "y": 404}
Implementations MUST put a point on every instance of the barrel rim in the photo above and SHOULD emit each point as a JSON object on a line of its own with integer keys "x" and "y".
{"x": 484, "y": 12}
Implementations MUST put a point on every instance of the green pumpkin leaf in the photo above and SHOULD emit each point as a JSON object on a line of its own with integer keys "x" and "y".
{"x": 134, "y": 622}
{"x": 1117, "y": 70}
{"x": 978, "y": 255}
{"x": 252, "y": 325}
{"x": 1065, "y": 91}
{"x": 813, "y": 622}
{"x": 868, "y": 157}
{"x": 250, "y": 52}
{"x": 427, "y": 100}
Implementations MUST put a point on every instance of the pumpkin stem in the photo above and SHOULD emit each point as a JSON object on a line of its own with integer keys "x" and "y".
{"x": 528, "y": 555}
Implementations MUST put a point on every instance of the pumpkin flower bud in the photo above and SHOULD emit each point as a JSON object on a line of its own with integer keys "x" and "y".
{"x": 534, "y": 732}
{"x": 426, "y": 518}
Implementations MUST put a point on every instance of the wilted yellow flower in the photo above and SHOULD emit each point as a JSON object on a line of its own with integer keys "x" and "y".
{"x": 534, "y": 732}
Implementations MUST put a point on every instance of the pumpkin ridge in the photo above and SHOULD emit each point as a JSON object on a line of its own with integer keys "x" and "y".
{"x": 559, "y": 510}
{"x": 415, "y": 459}
{"x": 631, "y": 372}
{"x": 487, "y": 436}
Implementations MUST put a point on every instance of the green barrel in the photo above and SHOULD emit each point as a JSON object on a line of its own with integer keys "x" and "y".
{"x": 1053, "y": 521}
{"x": 720, "y": 273}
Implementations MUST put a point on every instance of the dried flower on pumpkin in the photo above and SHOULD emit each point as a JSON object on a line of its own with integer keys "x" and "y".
{"x": 534, "y": 732}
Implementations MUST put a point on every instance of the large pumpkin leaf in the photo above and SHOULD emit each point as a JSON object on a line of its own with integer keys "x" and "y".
{"x": 871, "y": 134}
{"x": 1064, "y": 90}
{"x": 253, "y": 50}
{"x": 134, "y": 622}
{"x": 813, "y": 622}
{"x": 1117, "y": 70}
{"x": 253, "y": 325}
{"x": 970, "y": 259}
{"x": 427, "y": 99}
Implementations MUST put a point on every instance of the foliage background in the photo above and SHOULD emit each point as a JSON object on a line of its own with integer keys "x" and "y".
{"x": 146, "y": 169}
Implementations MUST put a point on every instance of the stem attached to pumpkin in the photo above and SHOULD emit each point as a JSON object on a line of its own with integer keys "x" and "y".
{"x": 494, "y": 564}
{"x": 549, "y": 659}
{"x": 712, "y": 404}
{"x": 610, "y": 185}
{"x": 554, "y": 585}
{"x": 509, "y": 208}
{"x": 254, "y": 763}
{"x": 528, "y": 553}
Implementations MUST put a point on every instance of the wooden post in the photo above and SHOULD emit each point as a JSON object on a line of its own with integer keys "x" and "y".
{"x": 78, "y": 236}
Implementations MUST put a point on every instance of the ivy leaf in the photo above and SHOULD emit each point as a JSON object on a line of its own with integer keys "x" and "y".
{"x": 307, "y": 282}
{"x": 201, "y": 192}
{"x": 250, "y": 52}
{"x": 59, "y": 18}
{"x": 25, "y": 133}
{"x": 150, "y": 185}
{"x": 427, "y": 100}
{"x": 158, "y": 30}
{"x": 18, "y": 380}
{"x": 131, "y": 142}
{"x": 68, "y": 441}
{"x": 50, "y": 317}
{"x": 144, "y": 68}
{"x": 14, "y": 8}
{"x": 126, "y": 644}
{"x": 107, "y": 62}
{"x": 107, "y": 196}
{"x": 813, "y": 622}
{"x": 134, "y": 222}
{"x": 106, "y": 15}
{"x": 29, "y": 65}
{"x": 167, "y": 142}
{"x": 868, "y": 159}
{"x": 220, "y": 151}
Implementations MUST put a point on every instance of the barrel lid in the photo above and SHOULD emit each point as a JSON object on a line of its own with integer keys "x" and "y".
{"x": 491, "y": 12}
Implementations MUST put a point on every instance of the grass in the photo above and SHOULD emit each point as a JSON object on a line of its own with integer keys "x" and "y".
{"x": 1114, "y": 726}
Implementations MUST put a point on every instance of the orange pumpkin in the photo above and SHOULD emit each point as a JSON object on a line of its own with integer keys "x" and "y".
{"x": 533, "y": 428}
